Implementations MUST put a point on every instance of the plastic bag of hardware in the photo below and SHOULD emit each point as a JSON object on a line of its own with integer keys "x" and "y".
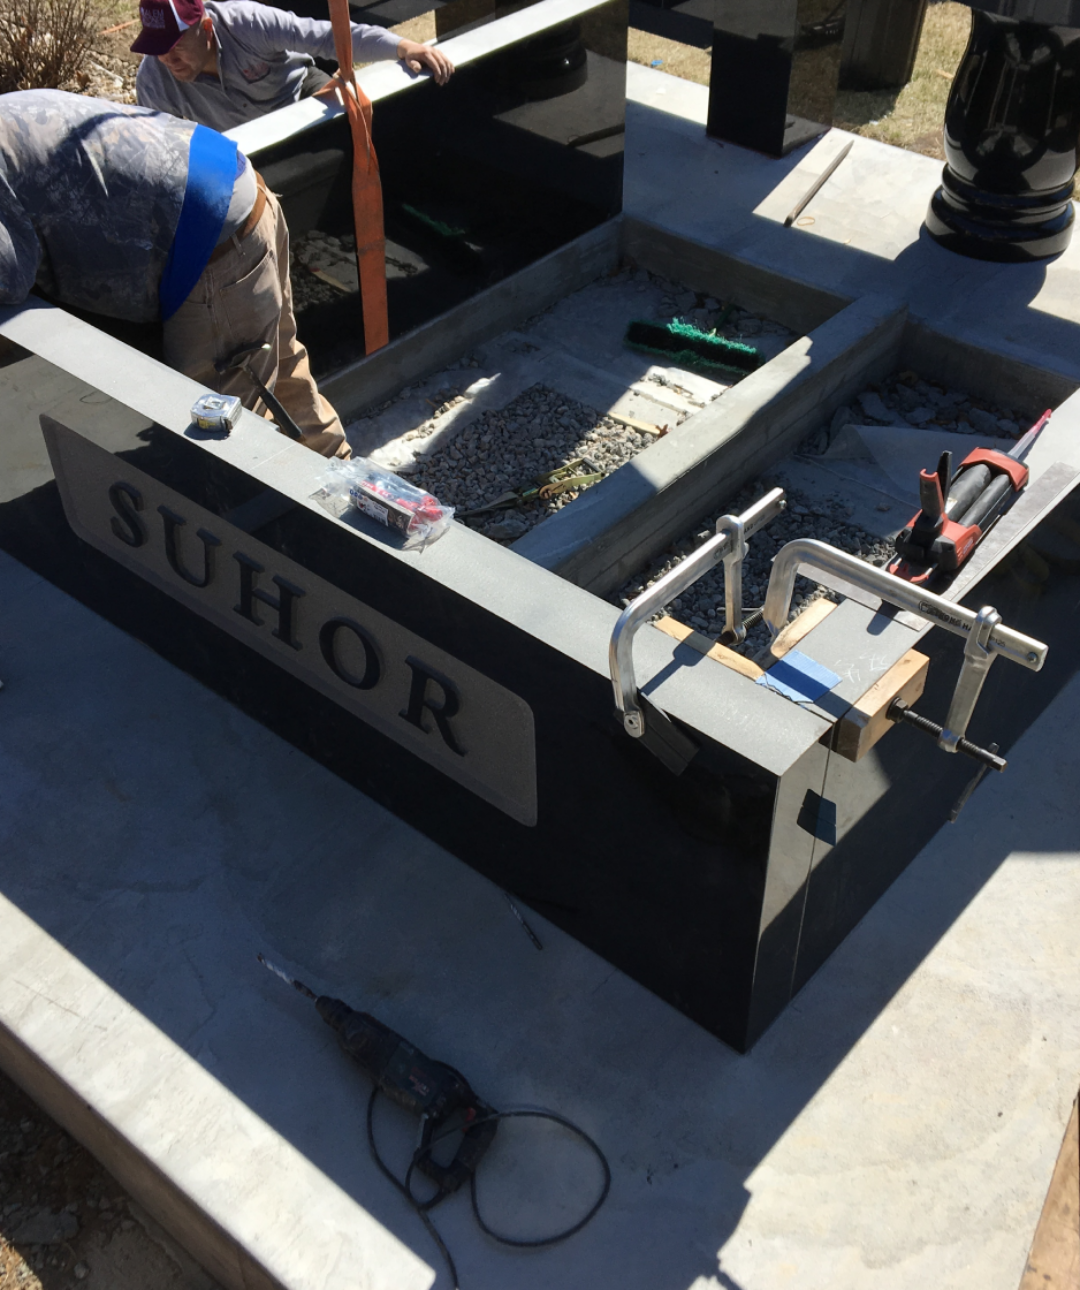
{"x": 389, "y": 499}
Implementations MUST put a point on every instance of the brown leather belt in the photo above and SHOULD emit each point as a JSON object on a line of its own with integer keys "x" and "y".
{"x": 248, "y": 225}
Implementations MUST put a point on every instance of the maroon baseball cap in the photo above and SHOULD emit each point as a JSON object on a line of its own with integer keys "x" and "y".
{"x": 164, "y": 22}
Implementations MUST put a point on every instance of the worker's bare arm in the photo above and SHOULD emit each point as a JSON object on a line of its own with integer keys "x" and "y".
{"x": 419, "y": 58}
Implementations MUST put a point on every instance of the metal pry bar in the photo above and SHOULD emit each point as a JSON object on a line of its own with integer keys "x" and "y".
{"x": 729, "y": 543}
{"x": 818, "y": 184}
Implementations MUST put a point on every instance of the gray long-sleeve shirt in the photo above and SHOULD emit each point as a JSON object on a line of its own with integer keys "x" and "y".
{"x": 90, "y": 196}
{"x": 263, "y": 56}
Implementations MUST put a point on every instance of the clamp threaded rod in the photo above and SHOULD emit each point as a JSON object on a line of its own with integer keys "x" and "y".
{"x": 899, "y": 711}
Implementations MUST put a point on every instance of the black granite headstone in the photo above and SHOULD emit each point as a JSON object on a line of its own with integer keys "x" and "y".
{"x": 881, "y": 40}
{"x": 519, "y": 154}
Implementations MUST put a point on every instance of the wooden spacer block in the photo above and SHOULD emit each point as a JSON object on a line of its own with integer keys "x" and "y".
{"x": 864, "y": 724}
{"x": 1054, "y": 1259}
{"x": 704, "y": 645}
{"x": 814, "y": 613}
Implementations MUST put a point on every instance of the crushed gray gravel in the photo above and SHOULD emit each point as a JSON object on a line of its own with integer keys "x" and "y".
{"x": 315, "y": 254}
{"x": 500, "y": 451}
{"x": 708, "y": 313}
{"x": 702, "y": 605}
{"x": 903, "y": 399}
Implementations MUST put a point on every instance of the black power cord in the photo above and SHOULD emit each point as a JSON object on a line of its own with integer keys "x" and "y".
{"x": 423, "y": 1206}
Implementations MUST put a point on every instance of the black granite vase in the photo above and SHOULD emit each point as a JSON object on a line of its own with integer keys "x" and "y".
{"x": 1011, "y": 128}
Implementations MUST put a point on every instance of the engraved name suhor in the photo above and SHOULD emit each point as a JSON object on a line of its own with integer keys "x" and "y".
{"x": 453, "y": 717}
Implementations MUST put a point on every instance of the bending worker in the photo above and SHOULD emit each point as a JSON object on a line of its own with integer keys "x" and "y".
{"x": 224, "y": 62}
{"x": 135, "y": 214}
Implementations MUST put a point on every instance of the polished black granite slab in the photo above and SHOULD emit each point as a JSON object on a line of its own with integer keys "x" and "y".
{"x": 521, "y": 153}
{"x": 721, "y": 889}
{"x": 881, "y": 40}
{"x": 775, "y": 70}
{"x": 1051, "y": 13}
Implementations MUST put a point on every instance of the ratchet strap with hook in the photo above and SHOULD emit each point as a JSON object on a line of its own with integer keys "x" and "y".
{"x": 366, "y": 185}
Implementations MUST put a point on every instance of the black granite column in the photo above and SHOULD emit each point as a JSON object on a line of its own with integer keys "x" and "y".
{"x": 775, "y": 68}
{"x": 1011, "y": 129}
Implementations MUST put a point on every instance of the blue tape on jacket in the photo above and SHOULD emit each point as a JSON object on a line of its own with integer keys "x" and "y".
{"x": 210, "y": 179}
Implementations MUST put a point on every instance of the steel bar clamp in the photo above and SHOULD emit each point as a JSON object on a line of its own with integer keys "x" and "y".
{"x": 985, "y": 636}
{"x": 728, "y": 545}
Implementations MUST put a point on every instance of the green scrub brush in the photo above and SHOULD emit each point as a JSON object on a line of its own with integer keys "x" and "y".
{"x": 683, "y": 343}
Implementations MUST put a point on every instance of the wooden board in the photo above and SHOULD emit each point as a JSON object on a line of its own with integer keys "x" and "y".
{"x": 705, "y": 645}
{"x": 785, "y": 641}
{"x": 1054, "y": 1260}
{"x": 814, "y": 613}
{"x": 858, "y": 730}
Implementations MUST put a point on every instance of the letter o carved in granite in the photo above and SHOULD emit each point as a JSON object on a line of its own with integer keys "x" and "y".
{"x": 328, "y": 639}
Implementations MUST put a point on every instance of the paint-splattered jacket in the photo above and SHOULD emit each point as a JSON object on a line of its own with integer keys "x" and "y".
{"x": 90, "y": 195}
{"x": 263, "y": 56}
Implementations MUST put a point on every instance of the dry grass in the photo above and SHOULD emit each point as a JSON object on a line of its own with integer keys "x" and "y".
{"x": 677, "y": 60}
{"x": 42, "y": 42}
{"x": 913, "y": 118}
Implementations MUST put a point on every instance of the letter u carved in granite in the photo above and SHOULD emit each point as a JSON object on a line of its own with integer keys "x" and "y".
{"x": 173, "y": 524}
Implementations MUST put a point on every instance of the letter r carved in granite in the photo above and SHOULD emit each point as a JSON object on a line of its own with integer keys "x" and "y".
{"x": 442, "y": 711}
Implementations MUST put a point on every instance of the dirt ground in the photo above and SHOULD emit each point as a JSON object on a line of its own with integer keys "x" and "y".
{"x": 65, "y": 1223}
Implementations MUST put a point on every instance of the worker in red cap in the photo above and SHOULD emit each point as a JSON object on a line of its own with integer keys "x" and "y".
{"x": 223, "y": 62}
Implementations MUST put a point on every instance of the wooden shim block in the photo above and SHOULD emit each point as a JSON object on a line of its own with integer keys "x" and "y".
{"x": 704, "y": 645}
{"x": 814, "y": 613}
{"x": 1054, "y": 1260}
{"x": 323, "y": 276}
{"x": 635, "y": 424}
{"x": 792, "y": 634}
{"x": 860, "y": 728}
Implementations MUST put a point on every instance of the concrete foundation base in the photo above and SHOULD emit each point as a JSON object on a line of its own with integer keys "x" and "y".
{"x": 896, "y": 1127}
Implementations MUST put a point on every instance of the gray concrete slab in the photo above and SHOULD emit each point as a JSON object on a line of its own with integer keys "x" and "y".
{"x": 867, "y": 232}
{"x": 897, "y": 1127}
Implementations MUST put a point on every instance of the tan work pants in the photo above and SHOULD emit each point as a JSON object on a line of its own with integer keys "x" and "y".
{"x": 241, "y": 300}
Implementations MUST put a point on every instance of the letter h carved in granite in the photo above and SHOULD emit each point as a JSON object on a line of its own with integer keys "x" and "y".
{"x": 284, "y": 605}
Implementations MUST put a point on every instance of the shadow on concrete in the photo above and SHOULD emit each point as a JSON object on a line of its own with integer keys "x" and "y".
{"x": 164, "y": 839}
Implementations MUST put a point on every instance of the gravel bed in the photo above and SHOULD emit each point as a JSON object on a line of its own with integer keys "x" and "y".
{"x": 904, "y": 399}
{"x": 706, "y": 312}
{"x": 64, "y": 1222}
{"x": 320, "y": 251}
{"x": 710, "y": 314}
{"x": 702, "y": 605}
{"x": 539, "y": 431}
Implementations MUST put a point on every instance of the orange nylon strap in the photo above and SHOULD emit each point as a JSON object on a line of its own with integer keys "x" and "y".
{"x": 366, "y": 186}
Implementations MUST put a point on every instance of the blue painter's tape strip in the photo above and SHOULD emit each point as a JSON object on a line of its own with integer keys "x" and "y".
{"x": 212, "y": 162}
{"x": 799, "y": 678}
